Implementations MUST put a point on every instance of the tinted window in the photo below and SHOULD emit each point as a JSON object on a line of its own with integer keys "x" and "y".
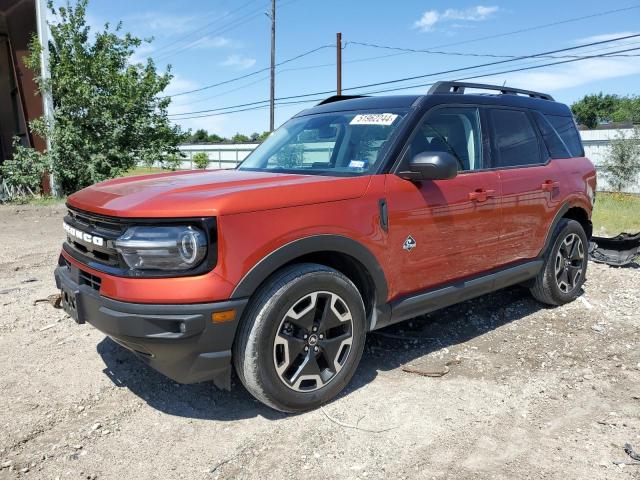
{"x": 515, "y": 139}
{"x": 566, "y": 128}
{"x": 455, "y": 130}
{"x": 555, "y": 145}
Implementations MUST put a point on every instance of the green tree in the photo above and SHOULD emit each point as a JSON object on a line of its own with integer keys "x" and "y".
{"x": 172, "y": 162}
{"x": 594, "y": 109}
{"x": 200, "y": 136}
{"x": 200, "y": 160}
{"x": 216, "y": 138}
{"x": 263, "y": 136}
{"x": 240, "y": 138}
{"x": 622, "y": 165}
{"x": 108, "y": 114}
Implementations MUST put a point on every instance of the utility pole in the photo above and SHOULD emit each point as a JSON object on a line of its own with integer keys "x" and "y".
{"x": 273, "y": 67}
{"x": 339, "y": 63}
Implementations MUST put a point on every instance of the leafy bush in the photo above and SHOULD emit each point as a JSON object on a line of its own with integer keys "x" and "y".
{"x": 171, "y": 162}
{"x": 201, "y": 160}
{"x": 622, "y": 165}
{"x": 25, "y": 169}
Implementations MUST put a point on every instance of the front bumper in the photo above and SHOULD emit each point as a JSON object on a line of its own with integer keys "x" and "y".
{"x": 180, "y": 341}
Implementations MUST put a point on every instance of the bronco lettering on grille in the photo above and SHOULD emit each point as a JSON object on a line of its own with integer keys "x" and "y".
{"x": 85, "y": 237}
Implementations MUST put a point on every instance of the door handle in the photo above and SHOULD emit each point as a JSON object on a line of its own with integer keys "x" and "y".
{"x": 481, "y": 195}
{"x": 549, "y": 186}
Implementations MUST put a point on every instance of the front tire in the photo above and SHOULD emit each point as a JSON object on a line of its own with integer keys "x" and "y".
{"x": 561, "y": 278}
{"x": 301, "y": 338}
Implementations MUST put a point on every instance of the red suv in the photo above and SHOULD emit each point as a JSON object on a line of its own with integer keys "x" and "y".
{"x": 357, "y": 213}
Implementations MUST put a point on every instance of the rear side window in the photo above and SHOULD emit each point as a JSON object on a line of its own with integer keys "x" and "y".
{"x": 555, "y": 145}
{"x": 515, "y": 139}
{"x": 566, "y": 128}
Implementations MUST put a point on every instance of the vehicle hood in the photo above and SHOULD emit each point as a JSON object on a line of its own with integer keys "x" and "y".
{"x": 212, "y": 193}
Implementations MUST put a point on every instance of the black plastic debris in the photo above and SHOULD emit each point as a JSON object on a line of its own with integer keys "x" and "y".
{"x": 617, "y": 251}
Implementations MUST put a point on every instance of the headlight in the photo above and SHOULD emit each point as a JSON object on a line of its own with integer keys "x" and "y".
{"x": 162, "y": 248}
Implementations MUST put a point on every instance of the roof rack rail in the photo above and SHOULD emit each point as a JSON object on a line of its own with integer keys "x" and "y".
{"x": 339, "y": 98}
{"x": 459, "y": 87}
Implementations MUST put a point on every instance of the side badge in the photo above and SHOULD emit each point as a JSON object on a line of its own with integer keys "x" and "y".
{"x": 409, "y": 244}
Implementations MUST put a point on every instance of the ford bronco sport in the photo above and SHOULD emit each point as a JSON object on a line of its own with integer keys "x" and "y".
{"x": 357, "y": 213}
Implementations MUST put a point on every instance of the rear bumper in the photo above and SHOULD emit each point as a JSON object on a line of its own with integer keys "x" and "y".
{"x": 180, "y": 341}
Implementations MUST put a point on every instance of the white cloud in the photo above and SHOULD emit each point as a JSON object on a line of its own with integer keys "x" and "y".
{"x": 240, "y": 62}
{"x": 430, "y": 18}
{"x": 162, "y": 24}
{"x": 603, "y": 37}
{"x": 141, "y": 54}
{"x": 570, "y": 75}
{"x": 179, "y": 84}
{"x": 212, "y": 42}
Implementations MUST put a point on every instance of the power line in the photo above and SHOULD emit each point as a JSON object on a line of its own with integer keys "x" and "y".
{"x": 235, "y": 23}
{"x": 171, "y": 45}
{"x": 503, "y": 34}
{"x": 458, "y": 54}
{"x": 224, "y": 29}
{"x": 394, "y": 89}
{"x": 207, "y": 87}
{"x": 538, "y": 27}
{"x": 415, "y": 77}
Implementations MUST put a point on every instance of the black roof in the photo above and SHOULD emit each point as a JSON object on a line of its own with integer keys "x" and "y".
{"x": 446, "y": 92}
{"x": 363, "y": 103}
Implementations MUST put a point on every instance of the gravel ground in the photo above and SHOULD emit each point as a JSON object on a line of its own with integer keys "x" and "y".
{"x": 537, "y": 392}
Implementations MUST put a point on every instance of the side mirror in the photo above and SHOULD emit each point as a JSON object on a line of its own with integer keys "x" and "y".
{"x": 431, "y": 166}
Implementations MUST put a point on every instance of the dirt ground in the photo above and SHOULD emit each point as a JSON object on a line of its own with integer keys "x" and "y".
{"x": 538, "y": 393}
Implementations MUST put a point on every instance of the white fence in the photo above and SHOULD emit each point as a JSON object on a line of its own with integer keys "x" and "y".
{"x": 596, "y": 147}
{"x": 221, "y": 155}
{"x": 224, "y": 155}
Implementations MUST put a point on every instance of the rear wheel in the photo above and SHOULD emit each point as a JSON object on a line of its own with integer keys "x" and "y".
{"x": 301, "y": 338}
{"x": 565, "y": 267}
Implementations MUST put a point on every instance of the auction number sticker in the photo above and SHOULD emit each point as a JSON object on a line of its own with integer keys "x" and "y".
{"x": 374, "y": 119}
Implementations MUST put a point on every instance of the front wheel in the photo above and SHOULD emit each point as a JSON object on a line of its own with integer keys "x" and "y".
{"x": 565, "y": 267}
{"x": 301, "y": 339}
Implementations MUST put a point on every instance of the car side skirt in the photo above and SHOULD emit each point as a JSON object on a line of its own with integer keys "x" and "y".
{"x": 459, "y": 291}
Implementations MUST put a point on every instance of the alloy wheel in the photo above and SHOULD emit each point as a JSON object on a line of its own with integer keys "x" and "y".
{"x": 313, "y": 341}
{"x": 569, "y": 263}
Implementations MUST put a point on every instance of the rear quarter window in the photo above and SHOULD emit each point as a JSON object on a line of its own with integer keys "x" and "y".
{"x": 555, "y": 145}
{"x": 566, "y": 129}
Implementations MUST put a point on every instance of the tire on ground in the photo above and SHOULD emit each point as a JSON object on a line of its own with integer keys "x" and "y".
{"x": 545, "y": 287}
{"x": 253, "y": 351}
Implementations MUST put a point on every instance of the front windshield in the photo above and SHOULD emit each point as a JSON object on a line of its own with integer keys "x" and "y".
{"x": 337, "y": 143}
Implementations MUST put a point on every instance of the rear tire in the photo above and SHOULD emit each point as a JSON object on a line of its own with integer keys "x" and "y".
{"x": 301, "y": 338}
{"x": 565, "y": 266}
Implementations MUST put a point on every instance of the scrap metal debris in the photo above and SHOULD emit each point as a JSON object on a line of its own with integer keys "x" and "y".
{"x": 628, "y": 449}
{"x": 631, "y": 452}
{"x": 617, "y": 251}
{"x": 432, "y": 373}
{"x": 55, "y": 300}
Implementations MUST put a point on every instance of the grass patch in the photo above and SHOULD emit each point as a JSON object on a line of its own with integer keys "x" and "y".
{"x": 38, "y": 201}
{"x": 614, "y": 213}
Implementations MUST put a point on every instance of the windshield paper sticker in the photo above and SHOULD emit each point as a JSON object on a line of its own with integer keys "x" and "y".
{"x": 374, "y": 119}
{"x": 357, "y": 164}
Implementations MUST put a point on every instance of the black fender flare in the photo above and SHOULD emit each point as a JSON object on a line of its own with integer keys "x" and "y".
{"x": 307, "y": 245}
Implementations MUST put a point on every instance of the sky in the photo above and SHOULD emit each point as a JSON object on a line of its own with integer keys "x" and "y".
{"x": 216, "y": 41}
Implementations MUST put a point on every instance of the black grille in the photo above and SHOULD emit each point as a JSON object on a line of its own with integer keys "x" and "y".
{"x": 105, "y": 228}
{"x": 91, "y": 280}
{"x": 80, "y": 276}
